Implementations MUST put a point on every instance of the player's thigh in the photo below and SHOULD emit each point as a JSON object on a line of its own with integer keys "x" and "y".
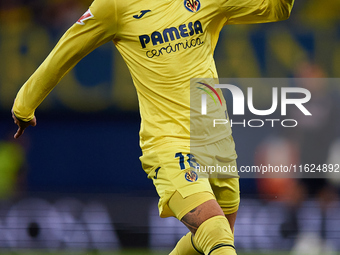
{"x": 227, "y": 193}
{"x": 194, "y": 218}
{"x": 169, "y": 169}
{"x": 193, "y": 214}
{"x": 232, "y": 219}
{"x": 223, "y": 176}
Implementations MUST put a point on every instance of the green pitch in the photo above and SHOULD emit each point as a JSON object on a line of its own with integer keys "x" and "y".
{"x": 124, "y": 252}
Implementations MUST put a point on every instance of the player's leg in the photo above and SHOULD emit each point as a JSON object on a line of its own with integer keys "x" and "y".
{"x": 187, "y": 246}
{"x": 227, "y": 195}
{"x": 181, "y": 206}
{"x": 231, "y": 219}
{"x": 165, "y": 168}
{"x": 169, "y": 168}
{"x": 208, "y": 224}
{"x": 225, "y": 185}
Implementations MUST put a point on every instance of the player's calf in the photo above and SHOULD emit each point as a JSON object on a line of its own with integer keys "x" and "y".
{"x": 214, "y": 237}
{"x": 211, "y": 229}
{"x": 186, "y": 246}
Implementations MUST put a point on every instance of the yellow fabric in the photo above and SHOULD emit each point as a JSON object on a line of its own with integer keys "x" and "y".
{"x": 185, "y": 247}
{"x": 216, "y": 160}
{"x": 181, "y": 206}
{"x": 163, "y": 167}
{"x": 215, "y": 237}
{"x": 227, "y": 193}
{"x": 163, "y": 49}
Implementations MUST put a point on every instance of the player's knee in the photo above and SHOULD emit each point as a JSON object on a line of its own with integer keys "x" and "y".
{"x": 200, "y": 214}
{"x": 214, "y": 236}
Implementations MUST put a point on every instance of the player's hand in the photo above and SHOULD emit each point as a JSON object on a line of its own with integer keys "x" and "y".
{"x": 22, "y": 125}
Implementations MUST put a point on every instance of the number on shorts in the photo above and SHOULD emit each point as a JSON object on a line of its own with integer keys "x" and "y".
{"x": 191, "y": 160}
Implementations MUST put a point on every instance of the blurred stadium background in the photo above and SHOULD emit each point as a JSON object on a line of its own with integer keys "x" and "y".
{"x": 74, "y": 183}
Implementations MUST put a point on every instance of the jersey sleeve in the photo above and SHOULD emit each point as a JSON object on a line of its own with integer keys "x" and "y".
{"x": 256, "y": 11}
{"x": 97, "y": 26}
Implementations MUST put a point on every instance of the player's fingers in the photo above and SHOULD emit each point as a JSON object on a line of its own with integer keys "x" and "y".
{"x": 22, "y": 125}
{"x": 15, "y": 120}
{"x": 19, "y": 132}
{"x": 33, "y": 122}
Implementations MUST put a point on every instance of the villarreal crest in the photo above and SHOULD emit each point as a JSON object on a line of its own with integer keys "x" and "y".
{"x": 191, "y": 176}
{"x": 192, "y": 5}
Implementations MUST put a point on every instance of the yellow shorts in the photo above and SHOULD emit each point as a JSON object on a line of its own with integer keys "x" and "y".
{"x": 172, "y": 168}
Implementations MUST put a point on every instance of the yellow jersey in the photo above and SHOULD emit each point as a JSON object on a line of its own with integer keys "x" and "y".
{"x": 164, "y": 43}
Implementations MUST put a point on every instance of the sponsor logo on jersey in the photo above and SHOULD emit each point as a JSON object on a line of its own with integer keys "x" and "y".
{"x": 171, "y": 34}
{"x": 142, "y": 13}
{"x": 191, "y": 176}
{"x": 87, "y": 15}
{"x": 192, "y": 5}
